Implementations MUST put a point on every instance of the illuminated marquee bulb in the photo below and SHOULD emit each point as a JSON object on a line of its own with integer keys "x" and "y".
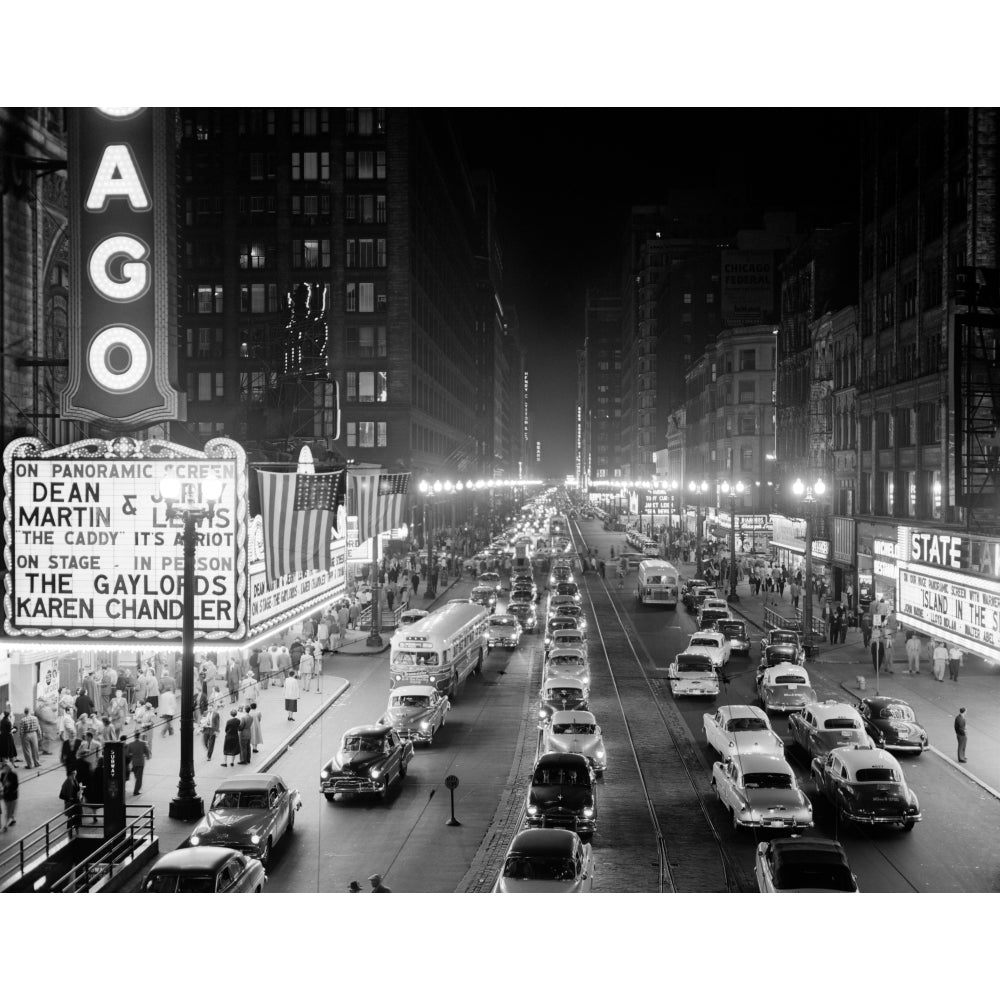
{"x": 118, "y": 112}
{"x": 135, "y": 272}
{"x": 117, "y": 176}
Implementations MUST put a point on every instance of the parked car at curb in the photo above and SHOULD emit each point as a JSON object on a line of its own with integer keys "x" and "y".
{"x": 782, "y": 636}
{"x": 547, "y": 861}
{"x": 205, "y": 869}
{"x": 250, "y": 814}
{"x": 803, "y": 864}
{"x": 866, "y": 786}
{"x": 778, "y": 653}
{"x": 692, "y": 589}
{"x": 370, "y": 758}
{"x": 892, "y": 725}
{"x": 739, "y": 730}
{"x": 416, "y": 712}
{"x": 760, "y": 791}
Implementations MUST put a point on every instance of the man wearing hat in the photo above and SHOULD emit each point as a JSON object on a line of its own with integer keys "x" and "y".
{"x": 355, "y": 886}
{"x": 377, "y": 884}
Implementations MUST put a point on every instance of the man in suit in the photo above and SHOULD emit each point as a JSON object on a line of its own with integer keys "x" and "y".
{"x": 136, "y": 753}
{"x": 245, "y": 725}
{"x": 233, "y": 677}
{"x": 960, "y": 734}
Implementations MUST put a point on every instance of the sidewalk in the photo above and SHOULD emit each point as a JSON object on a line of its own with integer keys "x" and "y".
{"x": 39, "y": 789}
{"x": 935, "y": 703}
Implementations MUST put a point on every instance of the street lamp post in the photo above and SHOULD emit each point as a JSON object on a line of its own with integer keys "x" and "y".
{"x": 698, "y": 489}
{"x": 673, "y": 505}
{"x": 733, "y": 490}
{"x": 809, "y": 495}
{"x": 187, "y": 804}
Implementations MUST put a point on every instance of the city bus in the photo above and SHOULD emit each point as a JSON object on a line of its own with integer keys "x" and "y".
{"x": 658, "y": 583}
{"x": 441, "y": 649}
{"x": 558, "y": 525}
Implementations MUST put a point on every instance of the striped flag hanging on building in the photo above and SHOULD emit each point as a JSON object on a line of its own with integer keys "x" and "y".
{"x": 378, "y": 500}
{"x": 299, "y": 512}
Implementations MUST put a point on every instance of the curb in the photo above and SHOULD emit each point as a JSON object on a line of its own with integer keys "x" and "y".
{"x": 279, "y": 751}
{"x": 953, "y": 763}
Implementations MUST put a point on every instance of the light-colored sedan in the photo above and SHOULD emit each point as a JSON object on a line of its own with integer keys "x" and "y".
{"x": 416, "y": 712}
{"x": 576, "y": 732}
{"x": 741, "y": 729}
{"x": 503, "y": 631}
{"x": 785, "y": 688}
{"x": 566, "y": 639}
{"x": 713, "y": 644}
{"x": 760, "y": 790}
{"x": 567, "y": 664}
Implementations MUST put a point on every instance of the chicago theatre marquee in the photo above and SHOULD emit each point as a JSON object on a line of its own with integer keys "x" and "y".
{"x": 93, "y": 568}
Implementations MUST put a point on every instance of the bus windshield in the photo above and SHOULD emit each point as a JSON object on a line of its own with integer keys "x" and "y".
{"x": 402, "y": 658}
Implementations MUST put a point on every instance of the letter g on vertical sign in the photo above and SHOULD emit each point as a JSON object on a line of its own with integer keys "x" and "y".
{"x": 122, "y": 350}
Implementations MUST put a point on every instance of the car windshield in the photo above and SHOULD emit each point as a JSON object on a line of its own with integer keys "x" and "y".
{"x": 840, "y": 724}
{"x": 557, "y": 623}
{"x": 411, "y": 701}
{"x": 567, "y": 589}
{"x": 566, "y": 660}
{"x": 788, "y": 679}
{"x": 180, "y": 883}
{"x": 781, "y": 654}
{"x": 362, "y": 744}
{"x": 563, "y": 693}
{"x": 695, "y": 666}
{"x": 561, "y": 775}
{"x": 574, "y": 729}
{"x": 567, "y": 640}
{"x": 240, "y": 800}
{"x": 767, "y": 779}
{"x": 902, "y": 713}
{"x": 705, "y": 641}
{"x": 505, "y": 621}
{"x": 548, "y": 869}
{"x": 831, "y": 877}
{"x": 877, "y": 774}
{"x": 746, "y": 725}
{"x": 789, "y": 637}
{"x": 734, "y": 628}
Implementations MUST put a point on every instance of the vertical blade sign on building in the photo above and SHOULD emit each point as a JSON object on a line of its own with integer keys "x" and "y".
{"x": 122, "y": 351}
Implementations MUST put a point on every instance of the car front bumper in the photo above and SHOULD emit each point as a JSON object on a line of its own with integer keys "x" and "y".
{"x": 506, "y": 642}
{"x": 561, "y": 821}
{"x": 417, "y": 735}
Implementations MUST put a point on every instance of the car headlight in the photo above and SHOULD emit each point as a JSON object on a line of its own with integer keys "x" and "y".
{"x": 532, "y": 810}
{"x": 432, "y": 678}
{"x": 588, "y": 812}
{"x": 542, "y": 713}
{"x": 195, "y": 840}
{"x": 399, "y": 677}
{"x": 325, "y": 773}
{"x": 600, "y": 753}
{"x": 376, "y": 772}
{"x": 425, "y": 725}
{"x": 255, "y": 838}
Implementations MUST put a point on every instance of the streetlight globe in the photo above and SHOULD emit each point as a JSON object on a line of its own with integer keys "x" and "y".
{"x": 447, "y": 486}
{"x": 437, "y": 485}
{"x": 211, "y": 489}
{"x": 692, "y": 486}
{"x": 739, "y": 486}
{"x": 423, "y": 487}
{"x": 469, "y": 484}
{"x": 673, "y": 484}
{"x": 459, "y": 486}
{"x": 479, "y": 484}
{"x": 170, "y": 488}
{"x": 704, "y": 486}
{"x": 798, "y": 488}
{"x": 725, "y": 485}
{"x": 820, "y": 487}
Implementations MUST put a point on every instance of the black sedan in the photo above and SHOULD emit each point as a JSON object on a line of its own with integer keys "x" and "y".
{"x": 525, "y": 614}
{"x": 891, "y": 723}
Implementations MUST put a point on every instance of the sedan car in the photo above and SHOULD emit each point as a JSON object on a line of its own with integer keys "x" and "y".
{"x": 485, "y": 596}
{"x": 576, "y": 732}
{"x": 567, "y": 638}
{"x": 490, "y": 579}
{"x": 785, "y": 688}
{"x": 823, "y": 726}
{"x": 778, "y": 653}
{"x": 713, "y": 644}
{"x": 503, "y": 631}
{"x": 558, "y": 622}
{"x": 891, "y": 723}
{"x": 781, "y": 636}
{"x": 562, "y": 694}
{"x": 370, "y": 758}
{"x": 741, "y": 730}
{"x": 712, "y": 610}
{"x": 522, "y": 595}
{"x": 803, "y": 864}
{"x": 693, "y": 587}
{"x": 736, "y": 632}
{"x": 760, "y": 791}
{"x": 416, "y": 712}
{"x": 205, "y": 869}
{"x": 866, "y": 786}
{"x": 561, "y": 572}
{"x": 547, "y": 861}
{"x": 695, "y": 674}
{"x": 562, "y": 602}
{"x": 568, "y": 663}
{"x": 525, "y": 615}
{"x": 567, "y": 588}
{"x": 250, "y": 814}
{"x": 563, "y": 793}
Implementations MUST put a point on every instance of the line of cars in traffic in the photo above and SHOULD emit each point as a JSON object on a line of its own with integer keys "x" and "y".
{"x": 847, "y": 749}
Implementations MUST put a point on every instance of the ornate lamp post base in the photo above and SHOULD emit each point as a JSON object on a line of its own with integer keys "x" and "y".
{"x": 187, "y": 808}
{"x": 374, "y": 639}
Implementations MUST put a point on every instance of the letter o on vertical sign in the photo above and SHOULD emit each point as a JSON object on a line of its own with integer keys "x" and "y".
{"x": 121, "y": 351}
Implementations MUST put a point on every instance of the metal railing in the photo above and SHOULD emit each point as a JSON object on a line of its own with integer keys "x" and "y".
{"x": 33, "y": 847}
{"x": 774, "y": 620}
{"x": 112, "y": 855}
{"x": 390, "y": 619}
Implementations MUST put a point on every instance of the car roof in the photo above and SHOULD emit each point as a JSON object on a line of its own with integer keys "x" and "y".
{"x": 716, "y": 637}
{"x": 371, "y": 730}
{"x": 782, "y": 648}
{"x": 828, "y": 709}
{"x": 249, "y": 783}
{"x": 188, "y": 860}
{"x": 693, "y": 656}
{"x": 785, "y": 670}
{"x": 571, "y": 633}
{"x": 762, "y": 763}
{"x": 520, "y": 605}
{"x": 731, "y": 621}
{"x": 577, "y": 717}
{"x": 537, "y": 843}
{"x": 860, "y": 757}
{"x": 560, "y": 681}
{"x": 742, "y": 712}
{"x": 782, "y": 631}
{"x": 711, "y": 602}
{"x": 883, "y": 701}
{"x": 807, "y": 850}
{"x": 410, "y": 689}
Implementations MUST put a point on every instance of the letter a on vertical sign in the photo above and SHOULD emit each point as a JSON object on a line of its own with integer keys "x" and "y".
{"x": 122, "y": 348}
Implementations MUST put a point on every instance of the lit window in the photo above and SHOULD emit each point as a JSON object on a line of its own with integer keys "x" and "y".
{"x": 366, "y": 165}
{"x": 366, "y": 296}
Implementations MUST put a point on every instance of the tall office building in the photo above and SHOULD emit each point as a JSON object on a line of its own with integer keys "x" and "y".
{"x": 599, "y": 392}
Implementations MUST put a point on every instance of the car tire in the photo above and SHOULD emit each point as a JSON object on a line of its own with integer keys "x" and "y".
{"x": 291, "y": 821}
{"x": 402, "y": 770}
{"x": 909, "y": 825}
{"x": 384, "y": 792}
{"x": 736, "y": 825}
{"x": 330, "y": 797}
{"x": 259, "y": 888}
{"x": 265, "y": 855}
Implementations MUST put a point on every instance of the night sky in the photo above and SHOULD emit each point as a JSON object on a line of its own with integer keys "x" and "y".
{"x": 565, "y": 181}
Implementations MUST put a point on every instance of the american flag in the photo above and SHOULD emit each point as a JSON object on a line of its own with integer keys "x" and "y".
{"x": 378, "y": 500}
{"x": 299, "y": 512}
